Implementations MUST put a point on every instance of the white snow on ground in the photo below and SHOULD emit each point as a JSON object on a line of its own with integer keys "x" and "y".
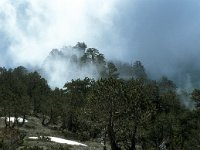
{"x": 34, "y": 138}
{"x": 12, "y": 119}
{"x": 62, "y": 141}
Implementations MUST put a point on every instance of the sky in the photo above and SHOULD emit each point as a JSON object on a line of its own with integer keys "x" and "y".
{"x": 163, "y": 34}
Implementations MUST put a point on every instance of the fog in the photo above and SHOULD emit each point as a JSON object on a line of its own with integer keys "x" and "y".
{"x": 163, "y": 34}
{"x": 60, "y": 67}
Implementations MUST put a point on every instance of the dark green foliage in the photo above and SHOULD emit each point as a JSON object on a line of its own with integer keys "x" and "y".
{"x": 112, "y": 70}
{"x": 51, "y": 105}
{"x": 13, "y": 90}
{"x": 139, "y": 70}
{"x": 93, "y": 57}
{"x": 19, "y": 92}
{"x": 166, "y": 85}
{"x": 80, "y": 45}
{"x": 125, "y": 70}
{"x": 120, "y": 107}
{"x": 38, "y": 89}
{"x": 73, "y": 102}
{"x": 196, "y": 97}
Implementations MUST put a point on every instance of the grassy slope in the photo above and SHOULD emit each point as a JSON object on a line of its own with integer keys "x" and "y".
{"x": 35, "y": 128}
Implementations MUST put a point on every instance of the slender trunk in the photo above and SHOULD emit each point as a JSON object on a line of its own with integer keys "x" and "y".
{"x": 63, "y": 126}
{"x": 111, "y": 135}
{"x": 104, "y": 141}
{"x": 182, "y": 144}
{"x": 13, "y": 125}
{"x": 51, "y": 115}
{"x": 15, "y": 121}
{"x": 6, "y": 122}
{"x": 9, "y": 119}
{"x": 5, "y": 118}
{"x": 112, "y": 138}
{"x": 34, "y": 106}
{"x": 23, "y": 121}
{"x": 24, "y": 118}
{"x": 133, "y": 140}
{"x": 156, "y": 144}
{"x": 104, "y": 147}
{"x": 70, "y": 123}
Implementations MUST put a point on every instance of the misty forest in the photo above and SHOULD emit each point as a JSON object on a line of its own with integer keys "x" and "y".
{"x": 122, "y": 108}
{"x": 99, "y": 75}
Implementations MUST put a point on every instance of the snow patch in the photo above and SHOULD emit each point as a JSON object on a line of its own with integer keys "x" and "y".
{"x": 60, "y": 140}
{"x": 34, "y": 138}
{"x": 12, "y": 119}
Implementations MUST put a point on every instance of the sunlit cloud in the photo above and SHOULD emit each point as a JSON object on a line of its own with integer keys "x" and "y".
{"x": 35, "y": 27}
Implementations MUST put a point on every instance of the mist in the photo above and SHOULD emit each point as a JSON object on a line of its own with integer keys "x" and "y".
{"x": 63, "y": 65}
{"x": 164, "y": 35}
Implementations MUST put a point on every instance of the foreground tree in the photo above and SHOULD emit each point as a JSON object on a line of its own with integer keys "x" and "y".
{"x": 103, "y": 106}
{"x": 74, "y": 99}
{"x": 140, "y": 108}
{"x": 14, "y": 99}
{"x": 38, "y": 90}
{"x": 122, "y": 109}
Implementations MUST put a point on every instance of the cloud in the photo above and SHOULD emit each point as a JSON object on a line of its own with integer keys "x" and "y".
{"x": 163, "y": 34}
{"x": 33, "y": 27}
{"x": 63, "y": 65}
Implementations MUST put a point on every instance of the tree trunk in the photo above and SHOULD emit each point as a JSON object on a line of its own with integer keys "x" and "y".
{"x": 34, "y": 107}
{"x": 9, "y": 120}
{"x": 13, "y": 125}
{"x": 133, "y": 140}
{"x": 6, "y": 123}
{"x": 111, "y": 136}
{"x": 51, "y": 115}
{"x": 5, "y": 118}
{"x": 111, "y": 133}
{"x": 104, "y": 141}
{"x": 24, "y": 118}
{"x": 23, "y": 121}
{"x": 63, "y": 126}
{"x": 69, "y": 123}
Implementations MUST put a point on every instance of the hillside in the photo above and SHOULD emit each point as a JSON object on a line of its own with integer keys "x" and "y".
{"x": 20, "y": 137}
{"x": 122, "y": 108}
